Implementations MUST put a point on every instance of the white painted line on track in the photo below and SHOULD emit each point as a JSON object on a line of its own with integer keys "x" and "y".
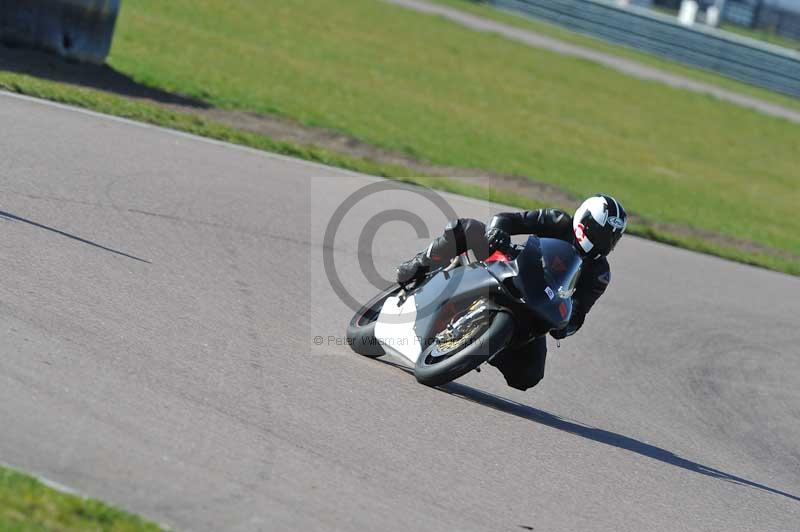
{"x": 183, "y": 134}
{"x": 62, "y": 488}
{"x": 46, "y": 481}
{"x": 270, "y": 155}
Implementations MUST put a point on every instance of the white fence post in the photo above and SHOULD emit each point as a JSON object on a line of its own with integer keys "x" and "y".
{"x": 688, "y": 12}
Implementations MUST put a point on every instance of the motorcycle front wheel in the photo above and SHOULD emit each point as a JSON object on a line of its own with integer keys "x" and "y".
{"x": 451, "y": 357}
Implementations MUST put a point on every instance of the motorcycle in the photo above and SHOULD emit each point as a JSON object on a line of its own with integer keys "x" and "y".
{"x": 464, "y": 314}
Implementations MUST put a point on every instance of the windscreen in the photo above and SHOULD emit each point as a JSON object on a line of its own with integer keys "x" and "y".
{"x": 562, "y": 266}
{"x": 549, "y": 270}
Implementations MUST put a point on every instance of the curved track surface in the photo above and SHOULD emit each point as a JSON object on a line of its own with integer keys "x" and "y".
{"x": 159, "y": 302}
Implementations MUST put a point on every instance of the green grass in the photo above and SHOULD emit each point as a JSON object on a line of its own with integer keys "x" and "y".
{"x": 443, "y": 93}
{"x": 667, "y": 65}
{"x": 28, "y": 505}
{"x": 135, "y": 110}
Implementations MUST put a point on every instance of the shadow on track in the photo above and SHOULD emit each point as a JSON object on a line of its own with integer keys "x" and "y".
{"x": 592, "y": 433}
{"x": 14, "y": 217}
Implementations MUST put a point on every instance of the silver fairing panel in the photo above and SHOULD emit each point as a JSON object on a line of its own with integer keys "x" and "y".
{"x": 406, "y": 327}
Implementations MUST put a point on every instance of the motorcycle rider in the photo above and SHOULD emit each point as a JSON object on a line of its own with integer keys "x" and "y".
{"x": 595, "y": 229}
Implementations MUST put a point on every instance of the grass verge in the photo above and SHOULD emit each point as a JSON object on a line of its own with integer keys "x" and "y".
{"x": 27, "y": 504}
{"x": 116, "y": 105}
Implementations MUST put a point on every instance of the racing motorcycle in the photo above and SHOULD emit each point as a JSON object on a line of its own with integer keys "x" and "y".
{"x": 462, "y": 315}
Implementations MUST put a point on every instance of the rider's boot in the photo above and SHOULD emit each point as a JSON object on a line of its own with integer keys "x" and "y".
{"x": 459, "y": 235}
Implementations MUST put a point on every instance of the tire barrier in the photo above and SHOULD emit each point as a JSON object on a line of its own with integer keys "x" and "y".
{"x": 79, "y": 30}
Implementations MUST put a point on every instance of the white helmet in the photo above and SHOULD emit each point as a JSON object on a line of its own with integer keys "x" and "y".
{"x": 599, "y": 223}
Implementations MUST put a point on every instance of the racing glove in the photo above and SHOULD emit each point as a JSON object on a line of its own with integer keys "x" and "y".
{"x": 498, "y": 239}
{"x": 414, "y": 269}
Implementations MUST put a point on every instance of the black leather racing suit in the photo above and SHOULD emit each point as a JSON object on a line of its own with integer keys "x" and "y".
{"x": 524, "y": 368}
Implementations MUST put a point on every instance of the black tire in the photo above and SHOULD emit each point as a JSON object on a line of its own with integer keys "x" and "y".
{"x": 361, "y": 330}
{"x": 453, "y": 365}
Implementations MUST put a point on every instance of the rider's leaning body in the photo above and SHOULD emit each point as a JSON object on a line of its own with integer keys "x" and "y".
{"x": 595, "y": 229}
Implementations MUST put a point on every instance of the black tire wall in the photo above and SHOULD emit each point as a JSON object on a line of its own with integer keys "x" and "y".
{"x": 79, "y": 30}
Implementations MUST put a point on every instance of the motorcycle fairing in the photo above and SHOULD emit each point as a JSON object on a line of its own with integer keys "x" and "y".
{"x": 407, "y": 326}
{"x": 545, "y": 272}
{"x": 549, "y": 270}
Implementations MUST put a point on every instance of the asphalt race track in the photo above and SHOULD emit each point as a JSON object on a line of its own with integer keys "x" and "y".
{"x": 159, "y": 304}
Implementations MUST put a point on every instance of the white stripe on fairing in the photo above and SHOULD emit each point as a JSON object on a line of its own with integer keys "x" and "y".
{"x": 395, "y": 328}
